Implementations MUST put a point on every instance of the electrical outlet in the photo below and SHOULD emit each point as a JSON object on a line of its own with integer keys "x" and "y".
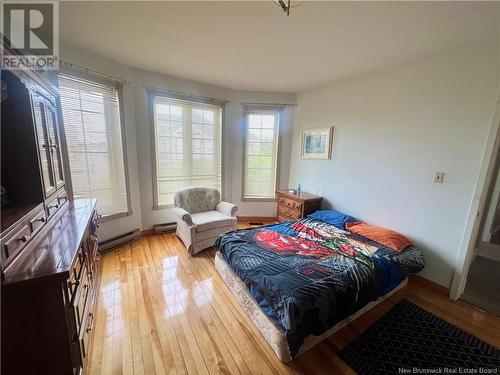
{"x": 438, "y": 177}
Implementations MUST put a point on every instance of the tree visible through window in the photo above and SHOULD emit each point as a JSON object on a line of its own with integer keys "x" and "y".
{"x": 187, "y": 138}
{"x": 261, "y": 154}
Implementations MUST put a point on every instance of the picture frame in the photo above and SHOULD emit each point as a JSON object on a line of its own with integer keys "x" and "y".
{"x": 317, "y": 143}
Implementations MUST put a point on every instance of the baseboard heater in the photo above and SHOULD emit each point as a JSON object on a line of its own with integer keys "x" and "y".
{"x": 164, "y": 228}
{"x": 110, "y": 244}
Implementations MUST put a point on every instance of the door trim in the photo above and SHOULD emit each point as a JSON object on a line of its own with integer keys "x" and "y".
{"x": 465, "y": 252}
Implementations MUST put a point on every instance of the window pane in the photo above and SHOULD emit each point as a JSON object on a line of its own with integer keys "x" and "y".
{"x": 91, "y": 115}
{"x": 254, "y": 148}
{"x": 254, "y": 121}
{"x": 261, "y": 155}
{"x": 267, "y": 135}
{"x": 198, "y": 115}
{"x": 254, "y": 135}
{"x": 192, "y": 157}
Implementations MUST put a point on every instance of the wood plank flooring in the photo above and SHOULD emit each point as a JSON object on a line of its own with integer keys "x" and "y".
{"x": 162, "y": 311}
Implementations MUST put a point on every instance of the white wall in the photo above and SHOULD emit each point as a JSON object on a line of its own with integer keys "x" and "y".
{"x": 138, "y": 139}
{"x": 393, "y": 129}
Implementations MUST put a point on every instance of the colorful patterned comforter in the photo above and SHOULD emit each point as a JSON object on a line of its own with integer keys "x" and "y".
{"x": 309, "y": 275}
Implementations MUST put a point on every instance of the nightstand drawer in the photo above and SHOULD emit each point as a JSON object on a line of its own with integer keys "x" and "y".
{"x": 290, "y": 203}
{"x": 288, "y": 212}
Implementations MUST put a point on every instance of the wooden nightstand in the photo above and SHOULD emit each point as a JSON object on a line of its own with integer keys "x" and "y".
{"x": 292, "y": 206}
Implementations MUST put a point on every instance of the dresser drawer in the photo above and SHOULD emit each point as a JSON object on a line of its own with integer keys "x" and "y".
{"x": 52, "y": 207}
{"x": 81, "y": 298}
{"x": 62, "y": 197}
{"x": 289, "y": 212}
{"x": 75, "y": 273}
{"x": 82, "y": 342}
{"x": 285, "y": 202}
{"x": 38, "y": 222}
{"x": 17, "y": 241}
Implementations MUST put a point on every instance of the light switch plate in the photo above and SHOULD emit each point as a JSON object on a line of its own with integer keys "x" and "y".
{"x": 438, "y": 177}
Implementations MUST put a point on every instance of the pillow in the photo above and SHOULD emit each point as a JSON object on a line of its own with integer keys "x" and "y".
{"x": 387, "y": 237}
{"x": 332, "y": 217}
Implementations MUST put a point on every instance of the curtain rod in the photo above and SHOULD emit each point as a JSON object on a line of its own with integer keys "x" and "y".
{"x": 186, "y": 96}
{"x": 90, "y": 71}
{"x": 269, "y": 104}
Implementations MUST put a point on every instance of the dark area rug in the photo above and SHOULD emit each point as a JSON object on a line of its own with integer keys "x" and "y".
{"x": 409, "y": 339}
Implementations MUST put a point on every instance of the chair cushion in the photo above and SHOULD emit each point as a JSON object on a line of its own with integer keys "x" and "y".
{"x": 211, "y": 219}
{"x": 197, "y": 199}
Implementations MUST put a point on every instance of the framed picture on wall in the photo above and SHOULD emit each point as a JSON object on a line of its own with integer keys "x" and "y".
{"x": 317, "y": 143}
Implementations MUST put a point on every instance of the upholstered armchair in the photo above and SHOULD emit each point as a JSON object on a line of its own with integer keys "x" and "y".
{"x": 201, "y": 217}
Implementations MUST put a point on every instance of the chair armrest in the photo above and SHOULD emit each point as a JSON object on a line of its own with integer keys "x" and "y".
{"x": 226, "y": 208}
{"x": 183, "y": 215}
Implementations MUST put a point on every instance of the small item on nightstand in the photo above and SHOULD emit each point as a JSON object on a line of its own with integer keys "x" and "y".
{"x": 299, "y": 189}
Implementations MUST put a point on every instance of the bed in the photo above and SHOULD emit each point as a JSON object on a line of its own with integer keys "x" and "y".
{"x": 300, "y": 281}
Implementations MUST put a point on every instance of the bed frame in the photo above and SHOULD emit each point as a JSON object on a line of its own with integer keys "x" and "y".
{"x": 272, "y": 332}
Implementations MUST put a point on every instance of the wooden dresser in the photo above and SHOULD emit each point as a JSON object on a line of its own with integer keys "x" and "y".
{"x": 49, "y": 295}
{"x": 48, "y": 242}
{"x": 292, "y": 206}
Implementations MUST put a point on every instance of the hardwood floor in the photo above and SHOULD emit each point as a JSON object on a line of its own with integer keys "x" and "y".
{"x": 162, "y": 311}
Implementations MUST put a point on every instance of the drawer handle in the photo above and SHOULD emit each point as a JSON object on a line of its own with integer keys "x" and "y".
{"x": 42, "y": 220}
{"x": 91, "y": 322}
{"x": 24, "y": 238}
{"x": 54, "y": 206}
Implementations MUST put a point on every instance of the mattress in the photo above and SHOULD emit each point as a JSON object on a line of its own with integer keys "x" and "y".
{"x": 272, "y": 332}
{"x": 308, "y": 275}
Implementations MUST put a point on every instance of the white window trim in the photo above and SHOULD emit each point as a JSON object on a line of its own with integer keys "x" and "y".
{"x": 153, "y": 92}
{"x": 119, "y": 85}
{"x": 259, "y": 109}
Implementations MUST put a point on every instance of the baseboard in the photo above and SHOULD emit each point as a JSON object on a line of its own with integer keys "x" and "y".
{"x": 112, "y": 243}
{"x": 147, "y": 232}
{"x": 428, "y": 284}
{"x": 257, "y": 218}
{"x": 264, "y": 219}
{"x": 165, "y": 228}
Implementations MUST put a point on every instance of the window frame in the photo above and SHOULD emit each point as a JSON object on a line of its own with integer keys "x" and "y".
{"x": 119, "y": 86}
{"x": 248, "y": 109}
{"x": 152, "y": 93}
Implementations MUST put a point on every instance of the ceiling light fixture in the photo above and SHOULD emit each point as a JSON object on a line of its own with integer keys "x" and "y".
{"x": 286, "y": 6}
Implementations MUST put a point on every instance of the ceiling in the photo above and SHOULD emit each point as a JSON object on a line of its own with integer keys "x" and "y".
{"x": 254, "y": 46}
